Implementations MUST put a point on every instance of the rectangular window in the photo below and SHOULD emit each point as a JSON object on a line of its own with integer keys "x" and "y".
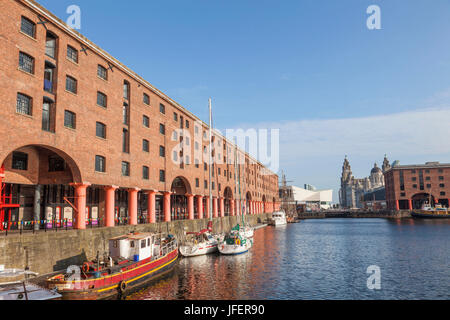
{"x": 50, "y": 45}
{"x": 20, "y": 161}
{"x": 100, "y": 130}
{"x": 442, "y": 185}
{"x": 162, "y": 109}
{"x": 101, "y": 99}
{"x": 102, "y": 72}
{"x": 442, "y": 193}
{"x": 125, "y": 113}
{"x": 28, "y": 27}
{"x": 146, "y": 99}
{"x": 175, "y": 156}
{"x": 145, "y": 173}
{"x": 125, "y": 169}
{"x": 72, "y": 54}
{"x": 175, "y": 116}
{"x": 26, "y": 62}
{"x": 206, "y": 184}
{"x": 125, "y": 141}
{"x": 197, "y": 183}
{"x": 23, "y": 104}
{"x": 126, "y": 90}
{"x": 187, "y": 124}
{"x": 162, "y": 151}
{"x": 56, "y": 164}
{"x": 46, "y": 116}
{"x": 162, "y": 129}
{"x": 100, "y": 164}
{"x": 146, "y": 121}
{"x": 69, "y": 119}
{"x": 145, "y": 146}
{"x": 71, "y": 84}
{"x": 441, "y": 178}
{"x": 162, "y": 176}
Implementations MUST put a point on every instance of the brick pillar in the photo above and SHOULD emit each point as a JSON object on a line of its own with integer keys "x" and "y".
{"x": 208, "y": 213}
{"x": 110, "y": 196}
{"x": 232, "y": 203}
{"x": 222, "y": 207}
{"x": 80, "y": 204}
{"x": 200, "y": 206}
{"x": 190, "y": 201}
{"x": 151, "y": 206}
{"x": 215, "y": 209}
{"x": 167, "y": 207}
{"x": 397, "y": 205}
{"x": 133, "y": 206}
{"x": 410, "y": 204}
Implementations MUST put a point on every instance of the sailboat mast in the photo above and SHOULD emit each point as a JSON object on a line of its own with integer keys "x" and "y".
{"x": 210, "y": 160}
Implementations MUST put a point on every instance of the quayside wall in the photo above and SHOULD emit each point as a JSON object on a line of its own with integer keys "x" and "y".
{"x": 47, "y": 252}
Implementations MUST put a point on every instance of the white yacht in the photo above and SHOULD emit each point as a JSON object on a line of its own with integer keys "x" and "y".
{"x": 278, "y": 219}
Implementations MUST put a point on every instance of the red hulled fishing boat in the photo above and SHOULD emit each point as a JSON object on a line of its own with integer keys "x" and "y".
{"x": 133, "y": 260}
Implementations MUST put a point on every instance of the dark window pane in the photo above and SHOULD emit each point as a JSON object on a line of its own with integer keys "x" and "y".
{"x": 162, "y": 176}
{"x": 56, "y": 164}
{"x": 102, "y": 72}
{"x": 146, "y": 99}
{"x": 125, "y": 169}
{"x": 162, "y": 129}
{"x": 72, "y": 54}
{"x": 20, "y": 161}
{"x": 146, "y": 121}
{"x": 100, "y": 130}
{"x": 126, "y": 90}
{"x": 50, "y": 45}
{"x": 100, "y": 164}
{"x": 28, "y": 27}
{"x": 26, "y": 62}
{"x": 23, "y": 104}
{"x": 46, "y": 116}
{"x": 69, "y": 119}
{"x": 162, "y": 109}
{"x": 162, "y": 151}
{"x": 145, "y": 145}
{"x": 71, "y": 84}
{"x": 145, "y": 173}
{"x": 101, "y": 99}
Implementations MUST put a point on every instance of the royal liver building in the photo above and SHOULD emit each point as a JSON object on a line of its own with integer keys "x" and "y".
{"x": 352, "y": 189}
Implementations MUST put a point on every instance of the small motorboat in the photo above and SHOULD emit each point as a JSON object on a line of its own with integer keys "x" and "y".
{"x": 278, "y": 219}
{"x": 429, "y": 212}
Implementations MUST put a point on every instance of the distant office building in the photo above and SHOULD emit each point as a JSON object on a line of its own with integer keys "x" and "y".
{"x": 310, "y": 187}
{"x": 351, "y": 194}
{"x": 410, "y": 186}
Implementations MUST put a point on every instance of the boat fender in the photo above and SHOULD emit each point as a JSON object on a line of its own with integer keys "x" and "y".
{"x": 122, "y": 286}
{"x": 85, "y": 267}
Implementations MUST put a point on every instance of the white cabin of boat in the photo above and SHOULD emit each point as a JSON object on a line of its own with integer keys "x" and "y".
{"x": 134, "y": 247}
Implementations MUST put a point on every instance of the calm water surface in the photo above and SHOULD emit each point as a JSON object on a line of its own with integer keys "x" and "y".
{"x": 321, "y": 259}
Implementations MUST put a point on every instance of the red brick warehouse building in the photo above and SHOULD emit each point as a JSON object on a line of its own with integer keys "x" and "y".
{"x": 408, "y": 187}
{"x": 83, "y": 133}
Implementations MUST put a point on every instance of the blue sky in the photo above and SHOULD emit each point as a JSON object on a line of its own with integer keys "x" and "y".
{"x": 308, "y": 67}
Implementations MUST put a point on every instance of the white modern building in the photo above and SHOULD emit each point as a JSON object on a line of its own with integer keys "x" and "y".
{"x": 311, "y": 199}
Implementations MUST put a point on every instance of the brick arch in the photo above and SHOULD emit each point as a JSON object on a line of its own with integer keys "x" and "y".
{"x": 71, "y": 163}
{"x": 228, "y": 193}
{"x": 178, "y": 183}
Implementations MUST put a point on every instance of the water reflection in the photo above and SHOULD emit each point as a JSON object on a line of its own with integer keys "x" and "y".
{"x": 321, "y": 259}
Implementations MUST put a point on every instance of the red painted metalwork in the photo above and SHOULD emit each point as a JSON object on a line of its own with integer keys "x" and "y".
{"x": 5, "y": 201}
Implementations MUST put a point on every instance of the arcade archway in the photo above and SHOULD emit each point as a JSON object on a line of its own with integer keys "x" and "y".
{"x": 420, "y": 199}
{"x": 228, "y": 196}
{"x": 178, "y": 200}
{"x": 36, "y": 187}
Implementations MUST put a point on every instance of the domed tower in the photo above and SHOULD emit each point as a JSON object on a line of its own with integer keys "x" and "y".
{"x": 376, "y": 177}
